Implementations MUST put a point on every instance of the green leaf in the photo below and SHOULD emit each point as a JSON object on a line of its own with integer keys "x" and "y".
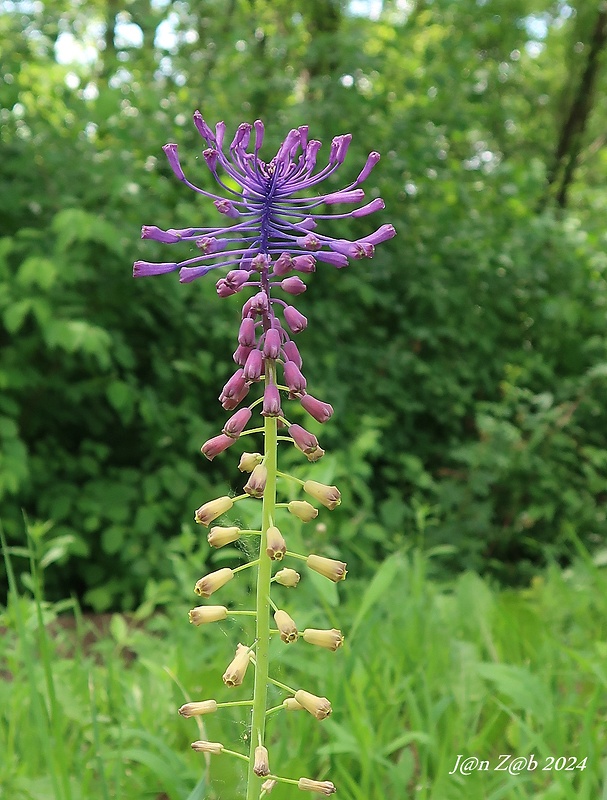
{"x": 382, "y": 581}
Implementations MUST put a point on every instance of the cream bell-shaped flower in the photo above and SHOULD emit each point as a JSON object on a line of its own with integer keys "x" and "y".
{"x": 330, "y": 639}
{"x": 291, "y": 704}
{"x": 213, "y": 509}
{"x": 237, "y": 668}
{"x": 268, "y": 785}
{"x": 302, "y": 510}
{"x": 198, "y": 709}
{"x": 320, "y": 787}
{"x": 287, "y": 577}
{"x": 262, "y": 762}
{"x": 286, "y": 626}
{"x": 319, "y": 707}
{"x": 276, "y": 545}
{"x": 213, "y": 581}
{"x": 334, "y": 570}
{"x": 329, "y": 496}
{"x": 219, "y": 537}
{"x": 207, "y": 747}
{"x": 203, "y": 614}
{"x": 248, "y": 461}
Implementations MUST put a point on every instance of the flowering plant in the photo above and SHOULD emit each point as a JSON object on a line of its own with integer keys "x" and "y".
{"x": 270, "y": 241}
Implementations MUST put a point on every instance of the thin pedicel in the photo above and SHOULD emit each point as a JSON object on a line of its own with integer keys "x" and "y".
{"x": 270, "y": 240}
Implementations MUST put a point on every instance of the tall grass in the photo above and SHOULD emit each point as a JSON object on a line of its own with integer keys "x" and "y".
{"x": 429, "y": 671}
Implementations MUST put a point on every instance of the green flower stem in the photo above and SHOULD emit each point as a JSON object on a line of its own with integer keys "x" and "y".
{"x": 296, "y": 555}
{"x": 234, "y": 753}
{"x": 248, "y": 532}
{"x": 235, "y": 703}
{"x": 290, "y": 477}
{"x": 264, "y": 574}
{"x": 252, "y": 430}
{"x": 273, "y": 710}
{"x": 282, "y": 686}
{"x": 246, "y": 566}
{"x": 242, "y": 613}
{"x": 274, "y": 606}
{"x": 281, "y": 780}
{"x": 285, "y": 438}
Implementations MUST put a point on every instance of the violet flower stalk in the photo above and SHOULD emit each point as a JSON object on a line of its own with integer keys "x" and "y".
{"x": 268, "y": 243}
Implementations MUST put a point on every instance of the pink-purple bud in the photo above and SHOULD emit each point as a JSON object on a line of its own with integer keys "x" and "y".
{"x": 283, "y": 264}
{"x": 230, "y": 403}
{"x": 304, "y": 263}
{"x": 208, "y": 244}
{"x": 237, "y": 423}
{"x": 254, "y": 366}
{"x": 296, "y": 321}
{"x": 271, "y": 345}
{"x": 309, "y": 242}
{"x": 271, "y": 402}
{"x": 292, "y": 353}
{"x": 224, "y": 289}
{"x": 241, "y": 354}
{"x": 305, "y": 440}
{"x": 294, "y": 379}
{"x": 217, "y": 444}
{"x": 293, "y": 285}
{"x": 246, "y": 333}
{"x": 316, "y": 408}
{"x": 235, "y": 385}
{"x": 259, "y": 303}
{"x": 236, "y": 278}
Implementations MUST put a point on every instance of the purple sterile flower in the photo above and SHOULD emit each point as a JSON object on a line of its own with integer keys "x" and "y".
{"x": 271, "y": 224}
{"x": 268, "y": 213}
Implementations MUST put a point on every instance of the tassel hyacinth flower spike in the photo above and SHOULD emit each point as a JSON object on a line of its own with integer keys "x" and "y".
{"x": 272, "y": 237}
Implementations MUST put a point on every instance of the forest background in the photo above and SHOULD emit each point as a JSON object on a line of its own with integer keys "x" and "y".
{"x": 467, "y": 362}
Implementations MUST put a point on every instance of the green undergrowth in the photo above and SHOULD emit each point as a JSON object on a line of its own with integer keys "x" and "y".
{"x": 429, "y": 671}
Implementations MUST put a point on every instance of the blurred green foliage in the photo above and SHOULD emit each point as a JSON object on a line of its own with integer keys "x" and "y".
{"x": 467, "y": 363}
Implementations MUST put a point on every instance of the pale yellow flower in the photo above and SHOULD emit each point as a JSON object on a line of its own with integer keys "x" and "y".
{"x": 237, "y": 668}
{"x": 331, "y": 639}
{"x": 199, "y": 708}
{"x": 207, "y": 747}
{"x": 302, "y": 510}
{"x": 203, "y": 614}
{"x": 286, "y": 626}
{"x": 262, "y": 762}
{"x": 329, "y": 496}
{"x": 276, "y": 545}
{"x": 219, "y": 537}
{"x": 320, "y": 787}
{"x": 287, "y": 577}
{"x": 334, "y": 570}
{"x": 213, "y": 581}
{"x": 319, "y": 707}
{"x": 213, "y": 509}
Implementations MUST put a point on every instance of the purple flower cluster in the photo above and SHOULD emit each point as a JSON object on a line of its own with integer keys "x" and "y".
{"x": 271, "y": 236}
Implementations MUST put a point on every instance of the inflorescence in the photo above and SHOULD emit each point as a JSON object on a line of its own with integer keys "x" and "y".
{"x": 270, "y": 241}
